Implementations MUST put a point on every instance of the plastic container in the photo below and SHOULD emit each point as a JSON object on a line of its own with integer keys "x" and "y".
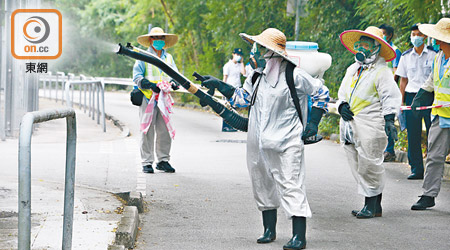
{"x": 308, "y": 57}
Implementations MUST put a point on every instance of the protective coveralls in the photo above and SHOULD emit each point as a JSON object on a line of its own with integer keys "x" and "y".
{"x": 371, "y": 97}
{"x": 275, "y": 150}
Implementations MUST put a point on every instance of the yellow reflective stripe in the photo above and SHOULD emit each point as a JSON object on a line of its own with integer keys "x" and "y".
{"x": 441, "y": 98}
{"x": 147, "y": 92}
{"x": 156, "y": 75}
{"x": 441, "y": 91}
{"x": 358, "y": 104}
{"x": 361, "y": 101}
{"x": 364, "y": 95}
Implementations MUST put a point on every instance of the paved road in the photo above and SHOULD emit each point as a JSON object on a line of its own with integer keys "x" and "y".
{"x": 208, "y": 203}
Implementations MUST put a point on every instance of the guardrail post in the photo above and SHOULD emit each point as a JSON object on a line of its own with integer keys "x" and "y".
{"x": 90, "y": 100}
{"x": 84, "y": 105}
{"x": 82, "y": 77}
{"x": 57, "y": 84}
{"x": 95, "y": 88}
{"x": 24, "y": 202}
{"x": 102, "y": 85}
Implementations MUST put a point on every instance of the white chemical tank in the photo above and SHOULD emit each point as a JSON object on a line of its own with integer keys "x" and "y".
{"x": 308, "y": 57}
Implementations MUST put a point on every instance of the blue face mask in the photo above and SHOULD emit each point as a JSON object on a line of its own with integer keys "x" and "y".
{"x": 158, "y": 44}
{"x": 385, "y": 38}
{"x": 417, "y": 41}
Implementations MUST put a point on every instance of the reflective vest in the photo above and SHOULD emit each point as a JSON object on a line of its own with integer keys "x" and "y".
{"x": 155, "y": 75}
{"x": 441, "y": 89}
{"x": 362, "y": 91}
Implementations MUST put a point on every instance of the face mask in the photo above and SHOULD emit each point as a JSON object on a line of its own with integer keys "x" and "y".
{"x": 364, "y": 55}
{"x": 417, "y": 41}
{"x": 368, "y": 60}
{"x": 256, "y": 60}
{"x": 158, "y": 44}
{"x": 385, "y": 38}
{"x": 237, "y": 58}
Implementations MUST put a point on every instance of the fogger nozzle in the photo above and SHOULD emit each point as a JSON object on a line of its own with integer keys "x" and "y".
{"x": 118, "y": 49}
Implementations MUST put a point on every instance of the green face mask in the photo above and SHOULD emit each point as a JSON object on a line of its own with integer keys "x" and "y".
{"x": 364, "y": 49}
{"x": 257, "y": 56}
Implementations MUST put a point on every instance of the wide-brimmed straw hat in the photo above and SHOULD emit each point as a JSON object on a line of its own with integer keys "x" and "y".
{"x": 439, "y": 31}
{"x": 272, "y": 39}
{"x": 170, "y": 39}
{"x": 349, "y": 37}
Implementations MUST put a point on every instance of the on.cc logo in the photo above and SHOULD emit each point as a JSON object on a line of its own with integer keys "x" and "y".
{"x": 36, "y": 34}
{"x": 36, "y": 29}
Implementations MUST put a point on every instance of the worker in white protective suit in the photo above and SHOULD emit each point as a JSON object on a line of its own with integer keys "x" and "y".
{"x": 275, "y": 146}
{"x": 369, "y": 100}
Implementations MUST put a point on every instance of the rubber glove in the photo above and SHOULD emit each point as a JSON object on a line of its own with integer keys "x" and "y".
{"x": 211, "y": 82}
{"x": 345, "y": 112}
{"x": 175, "y": 85}
{"x": 389, "y": 128}
{"x": 146, "y": 84}
{"x": 313, "y": 124}
{"x": 422, "y": 98}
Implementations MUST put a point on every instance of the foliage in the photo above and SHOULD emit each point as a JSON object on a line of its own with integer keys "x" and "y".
{"x": 329, "y": 125}
{"x": 209, "y": 29}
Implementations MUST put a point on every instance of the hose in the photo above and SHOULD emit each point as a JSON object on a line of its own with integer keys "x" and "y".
{"x": 230, "y": 116}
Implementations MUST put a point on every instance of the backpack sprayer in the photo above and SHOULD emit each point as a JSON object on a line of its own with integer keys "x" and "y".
{"x": 230, "y": 116}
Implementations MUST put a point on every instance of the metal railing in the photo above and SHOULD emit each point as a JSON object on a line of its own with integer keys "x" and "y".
{"x": 25, "y": 133}
{"x": 53, "y": 85}
{"x": 93, "y": 88}
{"x": 90, "y": 92}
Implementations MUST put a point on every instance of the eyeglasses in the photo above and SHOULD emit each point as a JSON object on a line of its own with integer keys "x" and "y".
{"x": 158, "y": 37}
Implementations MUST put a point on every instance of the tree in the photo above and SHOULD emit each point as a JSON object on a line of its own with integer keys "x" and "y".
{"x": 208, "y": 30}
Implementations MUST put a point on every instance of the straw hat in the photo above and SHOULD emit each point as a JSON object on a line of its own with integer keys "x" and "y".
{"x": 349, "y": 37}
{"x": 170, "y": 39}
{"x": 272, "y": 39}
{"x": 439, "y": 31}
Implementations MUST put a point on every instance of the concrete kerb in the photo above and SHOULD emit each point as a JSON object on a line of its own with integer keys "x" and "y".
{"x": 116, "y": 247}
{"x": 125, "y": 130}
{"x": 132, "y": 199}
{"x": 128, "y": 227}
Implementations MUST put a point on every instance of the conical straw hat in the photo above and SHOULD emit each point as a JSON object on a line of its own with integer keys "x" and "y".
{"x": 439, "y": 31}
{"x": 170, "y": 39}
{"x": 349, "y": 37}
{"x": 272, "y": 39}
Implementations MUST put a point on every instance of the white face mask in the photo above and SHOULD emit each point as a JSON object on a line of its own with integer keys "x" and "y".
{"x": 237, "y": 58}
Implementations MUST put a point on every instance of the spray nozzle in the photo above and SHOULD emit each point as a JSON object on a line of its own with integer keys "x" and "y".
{"x": 118, "y": 49}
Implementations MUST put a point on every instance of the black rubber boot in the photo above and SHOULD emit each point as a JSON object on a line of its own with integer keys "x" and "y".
{"x": 270, "y": 224}
{"x": 368, "y": 210}
{"x": 378, "y": 208}
{"x": 298, "y": 240}
{"x": 423, "y": 203}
